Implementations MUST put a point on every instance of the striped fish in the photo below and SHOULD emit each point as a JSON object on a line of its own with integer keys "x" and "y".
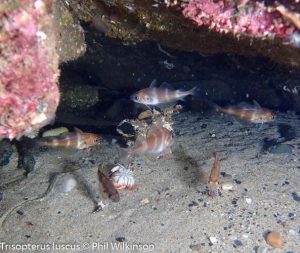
{"x": 157, "y": 141}
{"x": 254, "y": 114}
{"x": 76, "y": 140}
{"x": 159, "y": 95}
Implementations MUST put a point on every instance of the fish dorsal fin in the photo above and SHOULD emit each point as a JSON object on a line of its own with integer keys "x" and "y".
{"x": 153, "y": 84}
{"x": 77, "y": 130}
{"x": 244, "y": 105}
{"x": 256, "y": 103}
{"x": 166, "y": 85}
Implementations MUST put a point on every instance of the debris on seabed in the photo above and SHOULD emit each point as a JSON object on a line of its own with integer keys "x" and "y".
{"x": 274, "y": 239}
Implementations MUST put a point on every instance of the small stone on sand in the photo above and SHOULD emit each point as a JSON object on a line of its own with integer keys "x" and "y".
{"x": 68, "y": 183}
{"x": 213, "y": 240}
{"x": 145, "y": 201}
{"x": 274, "y": 239}
{"x": 227, "y": 186}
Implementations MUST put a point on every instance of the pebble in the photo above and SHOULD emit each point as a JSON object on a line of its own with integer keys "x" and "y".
{"x": 237, "y": 243}
{"x": 274, "y": 239}
{"x": 295, "y": 196}
{"x": 248, "y": 201}
{"x": 1, "y": 196}
{"x": 68, "y": 183}
{"x": 196, "y": 247}
{"x": 293, "y": 232}
{"x": 120, "y": 239}
{"x": 227, "y": 186}
{"x": 213, "y": 240}
{"x": 145, "y": 201}
{"x": 237, "y": 181}
{"x": 20, "y": 212}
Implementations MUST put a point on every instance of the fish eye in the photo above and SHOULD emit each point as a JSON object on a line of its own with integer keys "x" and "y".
{"x": 97, "y": 140}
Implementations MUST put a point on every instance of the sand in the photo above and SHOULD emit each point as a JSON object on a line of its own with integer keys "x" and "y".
{"x": 170, "y": 211}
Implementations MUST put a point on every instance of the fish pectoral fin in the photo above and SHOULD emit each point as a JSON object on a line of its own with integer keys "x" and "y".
{"x": 82, "y": 144}
{"x": 261, "y": 126}
{"x": 167, "y": 105}
{"x": 77, "y": 130}
{"x": 242, "y": 122}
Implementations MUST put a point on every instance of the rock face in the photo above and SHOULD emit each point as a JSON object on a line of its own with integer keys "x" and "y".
{"x": 76, "y": 94}
{"x": 247, "y": 28}
{"x": 70, "y": 38}
{"x": 29, "y": 93}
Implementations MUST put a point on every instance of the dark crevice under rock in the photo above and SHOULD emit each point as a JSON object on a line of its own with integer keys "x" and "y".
{"x": 110, "y": 71}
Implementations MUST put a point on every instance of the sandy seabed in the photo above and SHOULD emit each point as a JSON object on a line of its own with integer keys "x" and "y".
{"x": 170, "y": 211}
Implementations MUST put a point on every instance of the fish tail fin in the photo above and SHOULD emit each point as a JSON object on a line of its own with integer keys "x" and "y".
{"x": 194, "y": 91}
{"x": 216, "y": 107}
{"x": 213, "y": 105}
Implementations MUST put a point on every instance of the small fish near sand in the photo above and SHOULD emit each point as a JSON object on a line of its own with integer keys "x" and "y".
{"x": 213, "y": 183}
{"x": 160, "y": 95}
{"x": 108, "y": 187}
{"x": 75, "y": 140}
{"x": 156, "y": 143}
{"x": 250, "y": 113}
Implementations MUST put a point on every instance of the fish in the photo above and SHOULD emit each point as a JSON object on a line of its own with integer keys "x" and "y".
{"x": 160, "y": 95}
{"x": 213, "y": 183}
{"x": 157, "y": 142}
{"x": 251, "y": 113}
{"x": 108, "y": 187}
{"x": 76, "y": 140}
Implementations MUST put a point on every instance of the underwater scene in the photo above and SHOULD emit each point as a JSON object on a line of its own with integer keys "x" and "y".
{"x": 167, "y": 126}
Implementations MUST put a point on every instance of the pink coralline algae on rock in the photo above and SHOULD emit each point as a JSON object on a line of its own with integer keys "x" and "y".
{"x": 29, "y": 72}
{"x": 249, "y": 18}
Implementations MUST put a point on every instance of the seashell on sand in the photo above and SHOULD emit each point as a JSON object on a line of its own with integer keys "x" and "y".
{"x": 122, "y": 177}
{"x": 274, "y": 239}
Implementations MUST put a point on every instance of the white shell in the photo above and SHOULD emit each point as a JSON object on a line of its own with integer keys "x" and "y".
{"x": 122, "y": 177}
{"x": 55, "y": 131}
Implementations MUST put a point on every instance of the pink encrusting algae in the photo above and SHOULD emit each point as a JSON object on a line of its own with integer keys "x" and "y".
{"x": 29, "y": 72}
{"x": 250, "y": 18}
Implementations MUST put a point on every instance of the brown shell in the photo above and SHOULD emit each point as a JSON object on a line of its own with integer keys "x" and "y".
{"x": 145, "y": 114}
{"x": 274, "y": 239}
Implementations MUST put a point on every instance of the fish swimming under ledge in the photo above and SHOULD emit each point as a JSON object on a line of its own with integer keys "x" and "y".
{"x": 251, "y": 113}
{"x": 157, "y": 143}
{"x": 76, "y": 140}
{"x": 160, "y": 95}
